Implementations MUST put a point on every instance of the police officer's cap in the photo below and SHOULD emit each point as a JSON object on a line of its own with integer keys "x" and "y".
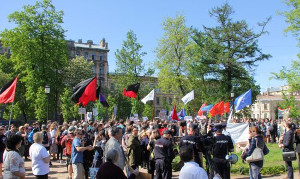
{"x": 223, "y": 124}
{"x": 167, "y": 132}
{"x": 217, "y": 127}
{"x": 193, "y": 126}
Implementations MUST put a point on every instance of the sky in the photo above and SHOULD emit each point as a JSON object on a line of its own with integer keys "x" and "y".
{"x": 97, "y": 19}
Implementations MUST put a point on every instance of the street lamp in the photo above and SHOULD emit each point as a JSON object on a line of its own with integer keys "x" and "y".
{"x": 232, "y": 96}
{"x": 47, "y": 91}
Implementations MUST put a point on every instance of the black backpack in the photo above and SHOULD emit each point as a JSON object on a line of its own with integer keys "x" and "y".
{"x": 45, "y": 138}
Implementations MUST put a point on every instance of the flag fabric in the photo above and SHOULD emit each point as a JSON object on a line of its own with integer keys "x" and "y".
{"x": 283, "y": 112}
{"x": 217, "y": 109}
{"x": 243, "y": 100}
{"x": 85, "y": 91}
{"x": 188, "y": 97}
{"x": 230, "y": 114}
{"x": 226, "y": 107}
{"x": 7, "y": 92}
{"x": 149, "y": 97}
{"x": 207, "y": 108}
{"x": 201, "y": 112}
{"x": 131, "y": 90}
{"x": 174, "y": 114}
{"x": 103, "y": 101}
{"x": 181, "y": 113}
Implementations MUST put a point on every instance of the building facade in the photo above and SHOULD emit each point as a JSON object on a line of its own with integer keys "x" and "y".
{"x": 267, "y": 102}
{"x": 97, "y": 53}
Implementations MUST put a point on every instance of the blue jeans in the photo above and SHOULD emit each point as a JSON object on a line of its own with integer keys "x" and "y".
{"x": 254, "y": 171}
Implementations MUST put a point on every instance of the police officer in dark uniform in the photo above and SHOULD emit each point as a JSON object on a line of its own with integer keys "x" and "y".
{"x": 223, "y": 145}
{"x": 163, "y": 153}
{"x": 194, "y": 141}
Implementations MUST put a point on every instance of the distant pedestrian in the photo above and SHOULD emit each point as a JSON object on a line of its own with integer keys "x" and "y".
{"x": 3, "y": 140}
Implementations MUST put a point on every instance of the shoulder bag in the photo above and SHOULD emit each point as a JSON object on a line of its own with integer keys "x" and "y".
{"x": 257, "y": 155}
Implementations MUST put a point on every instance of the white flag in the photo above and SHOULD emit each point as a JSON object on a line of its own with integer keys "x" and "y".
{"x": 149, "y": 97}
{"x": 188, "y": 97}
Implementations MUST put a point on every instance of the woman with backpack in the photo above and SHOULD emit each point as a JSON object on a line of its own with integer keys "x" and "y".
{"x": 58, "y": 138}
{"x": 256, "y": 141}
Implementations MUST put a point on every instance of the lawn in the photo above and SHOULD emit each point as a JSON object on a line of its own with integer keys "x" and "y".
{"x": 273, "y": 163}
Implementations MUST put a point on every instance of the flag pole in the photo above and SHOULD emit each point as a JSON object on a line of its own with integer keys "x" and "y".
{"x": 12, "y": 105}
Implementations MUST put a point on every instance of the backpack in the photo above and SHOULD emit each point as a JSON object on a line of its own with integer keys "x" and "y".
{"x": 45, "y": 138}
{"x": 30, "y": 137}
{"x": 69, "y": 146}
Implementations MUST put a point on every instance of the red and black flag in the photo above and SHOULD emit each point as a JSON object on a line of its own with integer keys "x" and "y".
{"x": 85, "y": 91}
{"x": 132, "y": 90}
{"x": 7, "y": 92}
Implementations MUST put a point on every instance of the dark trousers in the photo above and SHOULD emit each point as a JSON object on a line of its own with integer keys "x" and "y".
{"x": 41, "y": 176}
{"x": 289, "y": 168}
{"x": 299, "y": 161}
{"x": 222, "y": 167}
{"x": 59, "y": 152}
{"x": 163, "y": 169}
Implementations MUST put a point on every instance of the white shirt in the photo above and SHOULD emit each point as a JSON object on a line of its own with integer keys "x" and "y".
{"x": 191, "y": 170}
{"x": 37, "y": 153}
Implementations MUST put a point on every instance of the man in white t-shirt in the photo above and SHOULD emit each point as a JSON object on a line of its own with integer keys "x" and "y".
{"x": 40, "y": 158}
{"x": 190, "y": 170}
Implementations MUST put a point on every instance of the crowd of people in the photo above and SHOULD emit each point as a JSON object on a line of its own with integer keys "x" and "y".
{"x": 119, "y": 149}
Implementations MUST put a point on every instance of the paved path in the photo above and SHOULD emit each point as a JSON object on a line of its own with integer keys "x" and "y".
{"x": 59, "y": 171}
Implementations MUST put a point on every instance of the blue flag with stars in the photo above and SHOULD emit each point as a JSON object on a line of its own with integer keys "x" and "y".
{"x": 243, "y": 100}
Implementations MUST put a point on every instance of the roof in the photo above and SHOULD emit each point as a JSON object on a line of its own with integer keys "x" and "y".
{"x": 93, "y": 46}
{"x": 273, "y": 98}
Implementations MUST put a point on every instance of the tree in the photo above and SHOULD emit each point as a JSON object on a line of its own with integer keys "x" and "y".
{"x": 228, "y": 53}
{"x": 67, "y": 105}
{"x": 77, "y": 70}
{"x": 173, "y": 55}
{"x": 41, "y": 105}
{"x": 39, "y": 52}
{"x": 148, "y": 111}
{"x": 129, "y": 61}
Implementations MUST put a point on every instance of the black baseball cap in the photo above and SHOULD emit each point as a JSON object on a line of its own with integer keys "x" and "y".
{"x": 167, "y": 132}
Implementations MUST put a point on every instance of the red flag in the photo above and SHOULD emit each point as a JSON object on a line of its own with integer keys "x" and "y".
{"x": 89, "y": 94}
{"x": 201, "y": 112}
{"x": 7, "y": 92}
{"x": 226, "y": 107}
{"x": 217, "y": 109}
{"x": 174, "y": 114}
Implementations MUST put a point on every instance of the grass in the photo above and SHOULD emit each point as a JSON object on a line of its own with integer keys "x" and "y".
{"x": 273, "y": 163}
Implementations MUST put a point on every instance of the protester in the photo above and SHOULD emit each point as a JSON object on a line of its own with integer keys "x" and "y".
{"x": 111, "y": 170}
{"x": 53, "y": 146}
{"x": 134, "y": 150}
{"x": 99, "y": 145}
{"x": 191, "y": 169}
{"x": 3, "y": 140}
{"x": 288, "y": 145}
{"x": 114, "y": 143}
{"x": 22, "y": 133}
{"x": 255, "y": 140}
{"x": 59, "y": 136}
{"x": 66, "y": 143}
{"x": 154, "y": 135}
{"x": 13, "y": 163}
{"x": 77, "y": 155}
{"x": 40, "y": 158}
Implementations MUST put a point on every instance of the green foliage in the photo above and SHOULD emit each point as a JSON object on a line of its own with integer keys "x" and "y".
{"x": 173, "y": 56}
{"x": 148, "y": 111}
{"x": 129, "y": 61}
{"x": 292, "y": 17}
{"x": 67, "y": 105}
{"x": 226, "y": 54}
{"x": 40, "y": 105}
{"x": 77, "y": 70}
{"x": 39, "y": 52}
{"x": 290, "y": 101}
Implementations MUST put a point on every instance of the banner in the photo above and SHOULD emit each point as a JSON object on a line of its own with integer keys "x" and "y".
{"x": 188, "y": 97}
{"x": 239, "y": 132}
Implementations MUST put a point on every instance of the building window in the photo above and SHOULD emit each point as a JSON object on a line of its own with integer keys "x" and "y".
{"x": 86, "y": 55}
{"x": 101, "y": 70}
{"x": 266, "y": 115}
{"x": 94, "y": 69}
{"x": 265, "y": 106}
{"x": 253, "y": 115}
{"x": 258, "y": 116}
{"x": 77, "y": 53}
{"x": 157, "y": 100}
{"x": 93, "y": 56}
{"x": 101, "y": 57}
